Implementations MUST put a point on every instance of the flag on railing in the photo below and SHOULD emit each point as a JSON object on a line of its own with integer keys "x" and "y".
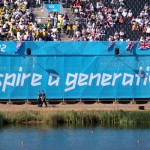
{"x": 144, "y": 45}
{"x": 130, "y": 46}
{"x": 111, "y": 44}
{"x": 18, "y": 47}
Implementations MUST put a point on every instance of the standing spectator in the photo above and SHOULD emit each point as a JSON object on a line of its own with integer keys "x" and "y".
{"x": 39, "y": 99}
{"x": 44, "y": 98}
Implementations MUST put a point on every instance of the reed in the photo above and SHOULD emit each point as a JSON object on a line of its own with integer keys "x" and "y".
{"x": 84, "y": 117}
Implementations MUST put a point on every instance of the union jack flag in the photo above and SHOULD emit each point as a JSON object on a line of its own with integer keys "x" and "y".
{"x": 18, "y": 47}
{"x": 111, "y": 44}
{"x": 130, "y": 46}
{"x": 144, "y": 45}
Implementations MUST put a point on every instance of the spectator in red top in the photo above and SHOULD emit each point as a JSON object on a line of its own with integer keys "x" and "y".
{"x": 78, "y": 4}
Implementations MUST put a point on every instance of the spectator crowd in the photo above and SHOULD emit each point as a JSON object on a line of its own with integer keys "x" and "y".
{"x": 17, "y": 23}
{"x": 94, "y": 19}
{"x": 91, "y": 21}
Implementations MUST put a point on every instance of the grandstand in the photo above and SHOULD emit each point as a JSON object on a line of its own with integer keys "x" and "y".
{"x": 116, "y": 16}
{"x": 117, "y": 20}
{"x": 136, "y": 6}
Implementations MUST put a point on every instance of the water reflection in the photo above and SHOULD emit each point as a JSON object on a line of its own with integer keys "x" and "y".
{"x": 45, "y": 137}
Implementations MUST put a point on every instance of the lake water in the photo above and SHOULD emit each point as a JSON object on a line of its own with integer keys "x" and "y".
{"x": 44, "y": 137}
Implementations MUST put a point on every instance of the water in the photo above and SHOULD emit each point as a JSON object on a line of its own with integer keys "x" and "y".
{"x": 43, "y": 137}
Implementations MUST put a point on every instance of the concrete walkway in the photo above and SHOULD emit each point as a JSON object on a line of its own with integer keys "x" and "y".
{"x": 75, "y": 107}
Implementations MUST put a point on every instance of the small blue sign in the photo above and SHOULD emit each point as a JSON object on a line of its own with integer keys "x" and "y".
{"x": 53, "y": 7}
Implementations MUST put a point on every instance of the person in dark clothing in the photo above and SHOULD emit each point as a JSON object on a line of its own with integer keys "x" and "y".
{"x": 39, "y": 99}
{"x": 44, "y": 98}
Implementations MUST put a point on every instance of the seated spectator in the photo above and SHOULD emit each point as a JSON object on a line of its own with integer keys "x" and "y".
{"x": 142, "y": 39}
{"x": 135, "y": 26}
{"x": 148, "y": 30}
{"x": 129, "y": 15}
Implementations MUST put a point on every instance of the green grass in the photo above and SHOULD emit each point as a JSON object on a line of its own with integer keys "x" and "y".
{"x": 77, "y": 117}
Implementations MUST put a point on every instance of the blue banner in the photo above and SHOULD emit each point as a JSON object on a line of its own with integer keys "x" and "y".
{"x": 13, "y": 48}
{"x": 53, "y": 7}
{"x": 74, "y": 70}
{"x": 72, "y": 48}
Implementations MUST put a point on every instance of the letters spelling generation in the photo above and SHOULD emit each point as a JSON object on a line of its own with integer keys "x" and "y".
{"x": 75, "y": 79}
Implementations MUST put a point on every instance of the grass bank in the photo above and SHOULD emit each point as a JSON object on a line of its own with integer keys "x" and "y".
{"x": 84, "y": 117}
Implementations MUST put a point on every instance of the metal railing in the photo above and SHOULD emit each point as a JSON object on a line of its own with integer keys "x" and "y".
{"x": 129, "y": 100}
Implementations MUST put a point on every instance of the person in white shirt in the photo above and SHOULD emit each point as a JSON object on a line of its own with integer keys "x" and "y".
{"x": 25, "y": 3}
{"x": 121, "y": 33}
{"x": 142, "y": 39}
{"x": 121, "y": 39}
{"x": 21, "y": 26}
{"x": 127, "y": 40}
{"x": 54, "y": 30}
{"x": 18, "y": 35}
{"x": 110, "y": 39}
{"x": 98, "y": 5}
{"x": 59, "y": 16}
{"x": 142, "y": 14}
{"x": 88, "y": 30}
{"x": 129, "y": 14}
{"x": 25, "y": 36}
{"x": 120, "y": 9}
{"x": 138, "y": 20}
{"x": 146, "y": 13}
{"x": 124, "y": 13}
{"x": 148, "y": 30}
